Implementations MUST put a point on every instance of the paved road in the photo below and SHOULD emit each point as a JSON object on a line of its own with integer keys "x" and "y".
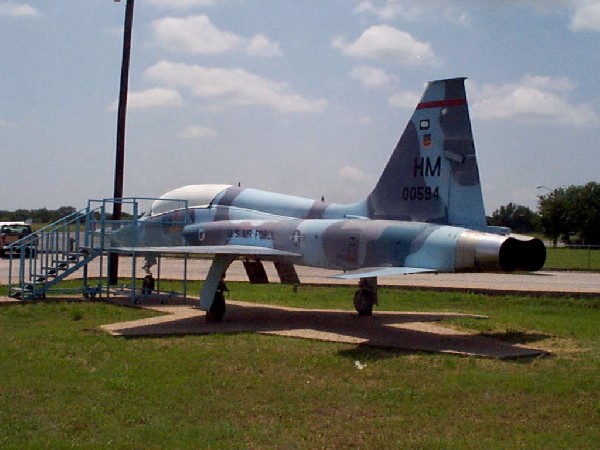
{"x": 561, "y": 282}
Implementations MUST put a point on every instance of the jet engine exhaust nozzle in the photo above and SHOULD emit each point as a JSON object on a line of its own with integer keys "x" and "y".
{"x": 490, "y": 253}
{"x": 516, "y": 254}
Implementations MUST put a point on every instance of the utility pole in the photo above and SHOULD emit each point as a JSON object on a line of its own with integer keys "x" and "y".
{"x": 121, "y": 121}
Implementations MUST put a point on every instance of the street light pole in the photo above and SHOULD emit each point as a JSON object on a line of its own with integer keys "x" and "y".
{"x": 121, "y": 120}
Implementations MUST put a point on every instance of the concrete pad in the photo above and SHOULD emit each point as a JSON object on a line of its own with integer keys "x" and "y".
{"x": 9, "y": 301}
{"x": 410, "y": 331}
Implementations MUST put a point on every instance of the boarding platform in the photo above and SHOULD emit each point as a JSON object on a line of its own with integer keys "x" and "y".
{"x": 41, "y": 260}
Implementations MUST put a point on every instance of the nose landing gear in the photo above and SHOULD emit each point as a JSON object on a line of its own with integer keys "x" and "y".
{"x": 217, "y": 309}
{"x": 366, "y": 296}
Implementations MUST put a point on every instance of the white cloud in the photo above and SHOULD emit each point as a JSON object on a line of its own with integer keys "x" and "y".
{"x": 364, "y": 120}
{"x": 260, "y": 45}
{"x": 388, "y": 10}
{"x": 152, "y": 98}
{"x": 182, "y": 4}
{"x": 548, "y": 83}
{"x": 233, "y": 86}
{"x": 404, "y": 99}
{"x": 197, "y": 132}
{"x": 533, "y": 98}
{"x": 14, "y": 9}
{"x": 353, "y": 174}
{"x": 586, "y": 16}
{"x": 371, "y": 77}
{"x": 198, "y": 35}
{"x": 355, "y": 118}
{"x": 386, "y": 43}
{"x": 194, "y": 34}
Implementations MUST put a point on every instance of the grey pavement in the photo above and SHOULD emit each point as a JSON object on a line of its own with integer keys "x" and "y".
{"x": 585, "y": 283}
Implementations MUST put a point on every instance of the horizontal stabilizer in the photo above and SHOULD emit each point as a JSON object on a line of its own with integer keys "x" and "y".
{"x": 240, "y": 250}
{"x": 367, "y": 272}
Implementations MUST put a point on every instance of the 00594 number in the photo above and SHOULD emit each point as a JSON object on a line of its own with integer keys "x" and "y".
{"x": 420, "y": 193}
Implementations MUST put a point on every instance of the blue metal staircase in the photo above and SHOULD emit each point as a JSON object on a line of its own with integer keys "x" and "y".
{"x": 40, "y": 261}
{"x": 48, "y": 256}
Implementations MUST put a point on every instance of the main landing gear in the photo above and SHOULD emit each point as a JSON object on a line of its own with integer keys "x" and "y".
{"x": 366, "y": 296}
{"x": 217, "y": 309}
{"x": 212, "y": 295}
{"x": 214, "y": 289}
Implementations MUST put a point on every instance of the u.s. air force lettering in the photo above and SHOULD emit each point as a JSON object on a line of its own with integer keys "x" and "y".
{"x": 265, "y": 235}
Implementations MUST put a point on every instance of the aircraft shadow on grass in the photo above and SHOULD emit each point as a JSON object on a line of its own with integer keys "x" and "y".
{"x": 517, "y": 337}
{"x": 397, "y": 331}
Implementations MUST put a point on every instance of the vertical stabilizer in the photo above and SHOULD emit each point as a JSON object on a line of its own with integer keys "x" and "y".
{"x": 432, "y": 176}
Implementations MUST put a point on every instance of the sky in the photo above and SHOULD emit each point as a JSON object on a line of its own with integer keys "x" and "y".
{"x": 302, "y": 97}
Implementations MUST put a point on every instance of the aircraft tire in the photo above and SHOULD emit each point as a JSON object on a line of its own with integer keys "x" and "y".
{"x": 217, "y": 309}
{"x": 363, "y": 302}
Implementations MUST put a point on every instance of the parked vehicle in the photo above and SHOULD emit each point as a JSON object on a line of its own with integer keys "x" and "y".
{"x": 11, "y": 232}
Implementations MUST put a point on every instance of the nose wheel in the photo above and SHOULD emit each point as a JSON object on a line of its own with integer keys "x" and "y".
{"x": 217, "y": 310}
{"x": 363, "y": 302}
{"x": 366, "y": 296}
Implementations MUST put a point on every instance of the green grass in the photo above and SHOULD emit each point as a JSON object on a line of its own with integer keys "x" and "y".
{"x": 65, "y": 384}
{"x": 572, "y": 258}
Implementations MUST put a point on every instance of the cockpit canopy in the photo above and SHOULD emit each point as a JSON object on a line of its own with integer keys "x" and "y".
{"x": 196, "y": 195}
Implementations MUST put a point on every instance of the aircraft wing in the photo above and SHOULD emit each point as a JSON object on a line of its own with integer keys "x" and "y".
{"x": 367, "y": 272}
{"x": 239, "y": 250}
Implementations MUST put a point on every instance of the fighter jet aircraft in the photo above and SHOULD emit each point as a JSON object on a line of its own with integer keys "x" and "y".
{"x": 425, "y": 214}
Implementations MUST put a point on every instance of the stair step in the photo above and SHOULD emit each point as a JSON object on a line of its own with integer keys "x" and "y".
{"x": 26, "y": 294}
{"x": 21, "y": 289}
{"x": 73, "y": 257}
{"x": 61, "y": 264}
{"x": 41, "y": 277}
{"x": 28, "y": 287}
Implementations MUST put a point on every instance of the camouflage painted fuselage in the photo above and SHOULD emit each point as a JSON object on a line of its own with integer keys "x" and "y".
{"x": 424, "y": 214}
{"x": 351, "y": 244}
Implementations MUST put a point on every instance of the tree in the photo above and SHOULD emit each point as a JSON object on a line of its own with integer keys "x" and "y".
{"x": 573, "y": 211}
{"x": 518, "y": 218}
{"x": 42, "y": 215}
{"x": 61, "y": 212}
